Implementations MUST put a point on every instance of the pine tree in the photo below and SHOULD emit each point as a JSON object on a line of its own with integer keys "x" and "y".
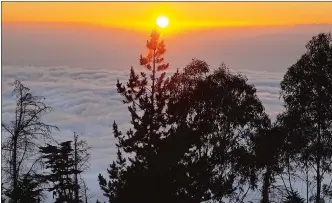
{"x": 61, "y": 162}
{"x": 147, "y": 99}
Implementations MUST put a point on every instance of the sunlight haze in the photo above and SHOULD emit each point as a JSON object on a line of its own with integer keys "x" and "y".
{"x": 193, "y": 15}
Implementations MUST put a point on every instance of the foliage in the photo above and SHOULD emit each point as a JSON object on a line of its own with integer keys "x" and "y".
{"x": 60, "y": 160}
{"x": 293, "y": 198}
{"x": 221, "y": 115}
{"x": 22, "y": 139}
{"x": 189, "y": 144}
{"x": 307, "y": 93}
{"x": 147, "y": 99}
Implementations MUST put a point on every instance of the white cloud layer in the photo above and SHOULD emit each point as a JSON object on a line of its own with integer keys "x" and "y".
{"x": 86, "y": 101}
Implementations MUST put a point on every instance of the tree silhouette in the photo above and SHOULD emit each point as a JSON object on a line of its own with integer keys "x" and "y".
{"x": 30, "y": 190}
{"x": 81, "y": 157}
{"x": 307, "y": 93}
{"x": 60, "y": 160}
{"x": 147, "y": 99}
{"x": 220, "y": 114}
{"x": 23, "y": 137}
{"x": 189, "y": 144}
{"x": 269, "y": 157}
{"x": 293, "y": 198}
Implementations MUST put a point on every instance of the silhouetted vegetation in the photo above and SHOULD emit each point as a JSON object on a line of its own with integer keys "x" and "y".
{"x": 307, "y": 93}
{"x": 21, "y": 144}
{"x": 23, "y": 162}
{"x": 199, "y": 135}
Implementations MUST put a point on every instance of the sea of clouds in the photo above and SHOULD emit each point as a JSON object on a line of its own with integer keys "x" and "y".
{"x": 86, "y": 101}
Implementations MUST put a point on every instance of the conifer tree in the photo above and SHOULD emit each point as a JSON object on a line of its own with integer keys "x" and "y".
{"x": 59, "y": 159}
{"x": 146, "y": 95}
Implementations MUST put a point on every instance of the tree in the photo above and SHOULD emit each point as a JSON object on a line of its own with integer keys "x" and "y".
{"x": 307, "y": 93}
{"x": 81, "y": 163}
{"x": 30, "y": 190}
{"x": 269, "y": 156}
{"x": 85, "y": 189}
{"x": 147, "y": 100}
{"x": 23, "y": 137}
{"x": 222, "y": 115}
{"x": 60, "y": 160}
{"x": 188, "y": 144}
{"x": 67, "y": 161}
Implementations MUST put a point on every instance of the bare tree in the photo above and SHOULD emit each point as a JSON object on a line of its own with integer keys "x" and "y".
{"x": 22, "y": 138}
{"x": 84, "y": 191}
{"x": 81, "y": 164}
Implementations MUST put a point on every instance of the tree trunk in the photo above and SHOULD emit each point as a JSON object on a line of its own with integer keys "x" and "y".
{"x": 307, "y": 180}
{"x": 15, "y": 139}
{"x": 318, "y": 179}
{"x": 318, "y": 155}
{"x": 85, "y": 192}
{"x": 76, "y": 174}
{"x": 266, "y": 185}
{"x": 14, "y": 165}
{"x": 318, "y": 175}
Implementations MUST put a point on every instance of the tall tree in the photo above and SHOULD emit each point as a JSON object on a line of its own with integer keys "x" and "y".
{"x": 189, "y": 144}
{"x": 23, "y": 137}
{"x": 307, "y": 93}
{"x": 221, "y": 114}
{"x": 147, "y": 99}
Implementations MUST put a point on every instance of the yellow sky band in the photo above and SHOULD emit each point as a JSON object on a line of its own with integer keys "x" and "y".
{"x": 182, "y": 15}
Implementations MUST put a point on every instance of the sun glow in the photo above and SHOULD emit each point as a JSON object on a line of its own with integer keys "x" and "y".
{"x": 162, "y": 21}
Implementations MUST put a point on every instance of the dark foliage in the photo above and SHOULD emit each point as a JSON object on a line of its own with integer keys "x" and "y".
{"x": 189, "y": 144}
{"x": 22, "y": 138}
{"x": 147, "y": 99}
{"x": 268, "y": 148}
{"x": 218, "y": 115}
{"x": 29, "y": 190}
{"x": 307, "y": 93}
{"x": 294, "y": 198}
{"x": 60, "y": 160}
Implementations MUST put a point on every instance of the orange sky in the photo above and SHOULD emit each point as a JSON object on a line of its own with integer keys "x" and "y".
{"x": 142, "y": 15}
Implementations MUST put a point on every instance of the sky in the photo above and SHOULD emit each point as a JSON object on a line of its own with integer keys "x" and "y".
{"x": 73, "y": 53}
{"x": 142, "y": 15}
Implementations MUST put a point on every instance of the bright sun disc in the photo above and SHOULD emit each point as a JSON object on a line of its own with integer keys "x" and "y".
{"x": 162, "y": 21}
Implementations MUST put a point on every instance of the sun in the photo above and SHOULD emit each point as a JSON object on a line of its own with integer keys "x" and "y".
{"x": 162, "y": 21}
